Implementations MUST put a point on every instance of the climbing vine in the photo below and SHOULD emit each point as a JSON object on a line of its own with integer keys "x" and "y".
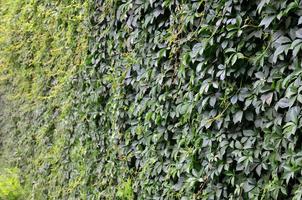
{"x": 197, "y": 99}
{"x": 167, "y": 99}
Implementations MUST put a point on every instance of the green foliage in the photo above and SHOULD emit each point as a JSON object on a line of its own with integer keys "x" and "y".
{"x": 169, "y": 100}
{"x": 43, "y": 45}
{"x": 10, "y": 187}
{"x": 196, "y": 99}
{"x": 125, "y": 191}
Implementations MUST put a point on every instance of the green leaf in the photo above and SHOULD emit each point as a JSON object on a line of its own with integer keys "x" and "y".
{"x": 267, "y": 21}
{"x": 283, "y": 103}
{"x": 249, "y": 185}
{"x": 281, "y": 49}
{"x": 237, "y": 117}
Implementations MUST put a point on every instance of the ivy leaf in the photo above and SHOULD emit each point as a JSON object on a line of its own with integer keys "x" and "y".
{"x": 283, "y": 103}
{"x": 300, "y": 20}
{"x": 179, "y": 184}
{"x": 262, "y": 4}
{"x": 237, "y": 117}
{"x": 296, "y": 50}
{"x": 292, "y": 114}
{"x": 283, "y": 40}
{"x": 267, "y": 21}
{"x": 234, "y": 99}
{"x": 249, "y": 185}
{"x": 281, "y": 49}
{"x": 267, "y": 98}
{"x": 299, "y": 33}
{"x": 258, "y": 170}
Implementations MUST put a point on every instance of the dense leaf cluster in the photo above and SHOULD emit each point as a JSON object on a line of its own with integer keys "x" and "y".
{"x": 42, "y": 45}
{"x": 196, "y": 99}
{"x": 178, "y": 99}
